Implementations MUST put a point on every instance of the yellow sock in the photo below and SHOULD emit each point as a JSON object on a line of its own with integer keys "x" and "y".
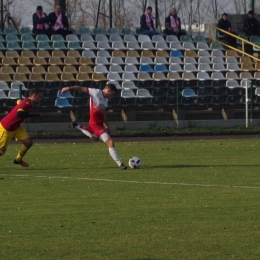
{"x": 23, "y": 150}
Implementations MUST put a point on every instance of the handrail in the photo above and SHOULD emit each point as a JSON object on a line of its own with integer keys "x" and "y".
{"x": 211, "y": 26}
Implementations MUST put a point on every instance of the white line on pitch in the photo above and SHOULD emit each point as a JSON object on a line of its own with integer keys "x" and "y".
{"x": 138, "y": 182}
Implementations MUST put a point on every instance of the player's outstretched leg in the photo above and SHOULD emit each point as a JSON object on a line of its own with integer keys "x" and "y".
{"x": 27, "y": 143}
{"x": 83, "y": 129}
{"x": 112, "y": 150}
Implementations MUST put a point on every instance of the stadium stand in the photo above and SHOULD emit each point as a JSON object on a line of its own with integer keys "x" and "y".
{"x": 162, "y": 65}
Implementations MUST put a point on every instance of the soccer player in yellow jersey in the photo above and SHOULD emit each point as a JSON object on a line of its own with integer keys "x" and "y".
{"x": 10, "y": 126}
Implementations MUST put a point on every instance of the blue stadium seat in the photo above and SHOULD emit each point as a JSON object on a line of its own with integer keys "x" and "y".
{"x": 176, "y": 53}
{"x": 65, "y": 95}
{"x": 188, "y": 92}
{"x": 62, "y": 103}
{"x": 146, "y": 68}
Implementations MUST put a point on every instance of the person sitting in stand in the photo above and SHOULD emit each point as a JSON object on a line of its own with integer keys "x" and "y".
{"x": 173, "y": 24}
{"x": 40, "y": 22}
{"x": 59, "y": 22}
{"x": 251, "y": 25}
{"x": 146, "y": 22}
{"x": 225, "y": 25}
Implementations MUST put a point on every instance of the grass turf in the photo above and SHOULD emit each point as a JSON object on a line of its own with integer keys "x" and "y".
{"x": 190, "y": 200}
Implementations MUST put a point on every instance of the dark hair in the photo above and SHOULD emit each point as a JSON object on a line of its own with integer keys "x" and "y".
{"x": 149, "y": 8}
{"x": 251, "y": 12}
{"x": 224, "y": 14}
{"x": 34, "y": 91}
{"x": 112, "y": 87}
{"x": 39, "y": 8}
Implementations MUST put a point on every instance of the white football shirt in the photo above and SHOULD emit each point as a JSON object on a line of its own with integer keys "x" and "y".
{"x": 97, "y": 105}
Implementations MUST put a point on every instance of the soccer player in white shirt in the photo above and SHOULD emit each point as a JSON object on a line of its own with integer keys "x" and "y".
{"x": 98, "y": 125}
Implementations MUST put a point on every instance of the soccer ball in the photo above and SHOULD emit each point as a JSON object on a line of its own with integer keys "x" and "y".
{"x": 135, "y": 162}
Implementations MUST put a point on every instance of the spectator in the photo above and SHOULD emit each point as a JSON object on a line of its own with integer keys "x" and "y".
{"x": 225, "y": 25}
{"x": 147, "y": 25}
{"x": 173, "y": 24}
{"x": 59, "y": 22}
{"x": 40, "y": 22}
{"x": 251, "y": 25}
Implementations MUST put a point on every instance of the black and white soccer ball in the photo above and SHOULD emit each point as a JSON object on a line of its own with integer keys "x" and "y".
{"x": 135, "y": 162}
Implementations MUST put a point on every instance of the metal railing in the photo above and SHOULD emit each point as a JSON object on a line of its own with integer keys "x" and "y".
{"x": 212, "y": 31}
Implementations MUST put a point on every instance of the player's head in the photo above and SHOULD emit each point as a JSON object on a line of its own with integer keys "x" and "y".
{"x": 109, "y": 90}
{"x": 35, "y": 95}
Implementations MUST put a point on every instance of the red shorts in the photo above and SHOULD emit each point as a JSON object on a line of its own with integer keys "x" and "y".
{"x": 96, "y": 130}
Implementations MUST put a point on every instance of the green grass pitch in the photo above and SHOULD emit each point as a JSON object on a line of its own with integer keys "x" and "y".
{"x": 190, "y": 200}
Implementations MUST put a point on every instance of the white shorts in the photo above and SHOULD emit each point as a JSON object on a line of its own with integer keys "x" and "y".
{"x": 104, "y": 137}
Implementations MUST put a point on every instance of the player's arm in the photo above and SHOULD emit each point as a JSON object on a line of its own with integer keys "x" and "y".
{"x": 74, "y": 88}
{"x": 22, "y": 114}
{"x": 105, "y": 124}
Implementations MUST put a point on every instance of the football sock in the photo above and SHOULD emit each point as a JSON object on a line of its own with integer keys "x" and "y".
{"x": 23, "y": 150}
{"x": 114, "y": 155}
{"x": 84, "y": 131}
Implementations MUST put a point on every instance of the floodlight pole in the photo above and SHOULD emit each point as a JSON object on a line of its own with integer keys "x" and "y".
{"x": 251, "y": 99}
{"x": 98, "y": 13}
{"x": 156, "y": 14}
{"x": 253, "y": 5}
{"x": 246, "y": 104}
{"x": 2, "y": 15}
{"x": 110, "y": 14}
{"x": 145, "y": 3}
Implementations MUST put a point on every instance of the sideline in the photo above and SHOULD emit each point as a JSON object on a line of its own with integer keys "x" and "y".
{"x": 137, "y": 182}
{"x": 117, "y": 139}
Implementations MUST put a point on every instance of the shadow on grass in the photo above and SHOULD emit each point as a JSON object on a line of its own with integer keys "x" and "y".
{"x": 151, "y": 259}
{"x": 143, "y": 167}
{"x": 199, "y": 166}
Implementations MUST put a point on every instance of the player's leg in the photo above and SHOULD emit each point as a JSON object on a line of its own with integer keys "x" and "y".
{"x": 86, "y": 131}
{"x": 5, "y": 138}
{"x": 27, "y": 142}
{"x": 112, "y": 150}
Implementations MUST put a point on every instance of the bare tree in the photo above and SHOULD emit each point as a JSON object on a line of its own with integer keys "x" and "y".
{"x": 16, "y": 9}
{"x": 241, "y": 6}
{"x": 62, "y": 4}
{"x": 127, "y": 13}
